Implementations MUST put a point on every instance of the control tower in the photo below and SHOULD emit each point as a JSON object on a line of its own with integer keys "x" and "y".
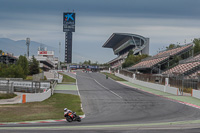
{"x": 68, "y": 28}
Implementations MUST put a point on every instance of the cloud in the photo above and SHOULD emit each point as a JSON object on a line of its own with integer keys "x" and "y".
{"x": 164, "y": 22}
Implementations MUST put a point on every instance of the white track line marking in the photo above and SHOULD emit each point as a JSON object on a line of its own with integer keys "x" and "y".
{"x": 79, "y": 95}
{"x": 108, "y": 89}
{"x": 102, "y": 86}
{"x": 77, "y": 88}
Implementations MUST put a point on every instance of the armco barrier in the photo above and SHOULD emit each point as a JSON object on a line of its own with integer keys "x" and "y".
{"x": 163, "y": 88}
{"x": 35, "y": 97}
{"x": 27, "y": 84}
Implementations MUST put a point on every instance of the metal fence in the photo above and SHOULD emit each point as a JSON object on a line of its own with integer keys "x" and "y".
{"x": 7, "y": 87}
{"x": 184, "y": 85}
{"x": 24, "y": 86}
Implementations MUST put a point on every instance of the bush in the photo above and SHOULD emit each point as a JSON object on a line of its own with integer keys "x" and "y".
{"x": 12, "y": 71}
{"x": 187, "y": 90}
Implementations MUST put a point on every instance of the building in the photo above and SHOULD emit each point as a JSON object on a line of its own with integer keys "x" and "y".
{"x": 122, "y": 43}
{"x": 46, "y": 59}
{"x": 8, "y": 58}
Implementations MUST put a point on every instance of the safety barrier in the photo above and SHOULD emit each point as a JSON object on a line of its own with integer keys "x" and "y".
{"x": 163, "y": 88}
{"x": 196, "y": 93}
{"x": 35, "y": 97}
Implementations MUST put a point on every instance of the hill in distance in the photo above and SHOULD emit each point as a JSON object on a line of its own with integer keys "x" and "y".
{"x": 19, "y": 47}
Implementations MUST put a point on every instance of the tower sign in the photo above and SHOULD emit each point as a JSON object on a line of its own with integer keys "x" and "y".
{"x": 68, "y": 28}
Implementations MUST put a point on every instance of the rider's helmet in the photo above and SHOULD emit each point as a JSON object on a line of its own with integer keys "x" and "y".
{"x": 65, "y": 109}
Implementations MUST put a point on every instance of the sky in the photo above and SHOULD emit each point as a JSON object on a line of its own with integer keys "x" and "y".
{"x": 163, "y": 21}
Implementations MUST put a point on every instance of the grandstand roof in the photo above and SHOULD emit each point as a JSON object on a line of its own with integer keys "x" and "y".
{"x": 115, "y": 38}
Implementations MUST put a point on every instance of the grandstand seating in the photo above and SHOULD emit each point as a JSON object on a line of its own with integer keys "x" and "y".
{"x": 182, "y": 68}
{"x": 173, "y": 52}
{"x": 149, "y": 63}
{"x": 196, "y": 58}
{"x": 185, "y": 66}
{"x": 194, "y": 75}
{"x": 118, "y": 61}
{"x": 159, "y": 58}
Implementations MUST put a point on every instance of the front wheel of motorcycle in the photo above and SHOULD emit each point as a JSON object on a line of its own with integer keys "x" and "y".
{"x": 69, "y": 119}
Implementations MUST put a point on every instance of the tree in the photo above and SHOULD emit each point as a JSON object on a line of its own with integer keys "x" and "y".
{"x": 130, "y": 52}
{"x": 87, "y": 62}
{"x": 196, "y": 45}
{"x": 172, "y": 46}
{"x": 34, "y": 66}
{"x": 133, "y": 59}
{"x": 23, "y": 62}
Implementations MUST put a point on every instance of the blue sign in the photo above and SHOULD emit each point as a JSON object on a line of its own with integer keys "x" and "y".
{"x": 69, "y": 18}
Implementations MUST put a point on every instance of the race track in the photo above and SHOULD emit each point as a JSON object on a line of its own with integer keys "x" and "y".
{"x": 107, "y": 103}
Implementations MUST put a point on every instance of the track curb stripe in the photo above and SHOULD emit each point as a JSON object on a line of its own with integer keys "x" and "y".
{"x": 35, "y": 122}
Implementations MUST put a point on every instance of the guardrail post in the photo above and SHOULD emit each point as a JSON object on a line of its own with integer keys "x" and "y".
{"x": 7, "y": 86}
{"x": 12, "y": 87}
{"x": 166, "y": 84}
{"x": 134, "y": 76}
{"x": 39, "y": 87}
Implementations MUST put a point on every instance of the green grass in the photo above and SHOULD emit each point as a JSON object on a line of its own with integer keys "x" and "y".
{"x": 29, "y": 78}
{"x": 51, "y": 108}
{"x": 68, "y": 79}
{"x": 113, "y": 76}
{"x": 7, "y": 96}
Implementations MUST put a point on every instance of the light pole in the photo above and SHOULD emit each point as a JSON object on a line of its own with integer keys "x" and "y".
{"x": 59, "y": 56}
{"x": 27, "y": 44}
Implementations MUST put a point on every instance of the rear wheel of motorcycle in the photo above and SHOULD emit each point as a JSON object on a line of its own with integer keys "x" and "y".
{"x": 79, "y": 119}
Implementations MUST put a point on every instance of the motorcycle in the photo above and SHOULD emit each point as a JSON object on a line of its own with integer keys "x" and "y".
{"x": 72, "y": 117}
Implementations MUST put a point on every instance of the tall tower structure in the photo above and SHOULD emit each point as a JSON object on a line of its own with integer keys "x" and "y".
{"x": 68, "y": 28}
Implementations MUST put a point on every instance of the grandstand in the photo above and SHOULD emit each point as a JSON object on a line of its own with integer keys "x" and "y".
{"x": 160, "y": 62}
{"x": 122, "y": 43}
{"x": 189, "y": 68}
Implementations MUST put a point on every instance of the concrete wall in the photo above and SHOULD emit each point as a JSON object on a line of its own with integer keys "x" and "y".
{"x": 106, "y": 71}
{"x": 173, "y": 90}
{"x": 196, "y": 93}
{"x": 53, "y": 75}
{"x": 36, "y": 97}
{"x": 163, "y": 88}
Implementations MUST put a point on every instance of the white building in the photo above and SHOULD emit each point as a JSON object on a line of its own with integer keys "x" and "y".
{"x": 47, "y": 59}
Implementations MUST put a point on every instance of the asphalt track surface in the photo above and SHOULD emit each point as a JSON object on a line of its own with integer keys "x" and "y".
{"x": 107, "y": 104}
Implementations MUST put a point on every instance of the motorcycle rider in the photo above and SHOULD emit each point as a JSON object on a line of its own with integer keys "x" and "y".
{"x": 69, "y": 112}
